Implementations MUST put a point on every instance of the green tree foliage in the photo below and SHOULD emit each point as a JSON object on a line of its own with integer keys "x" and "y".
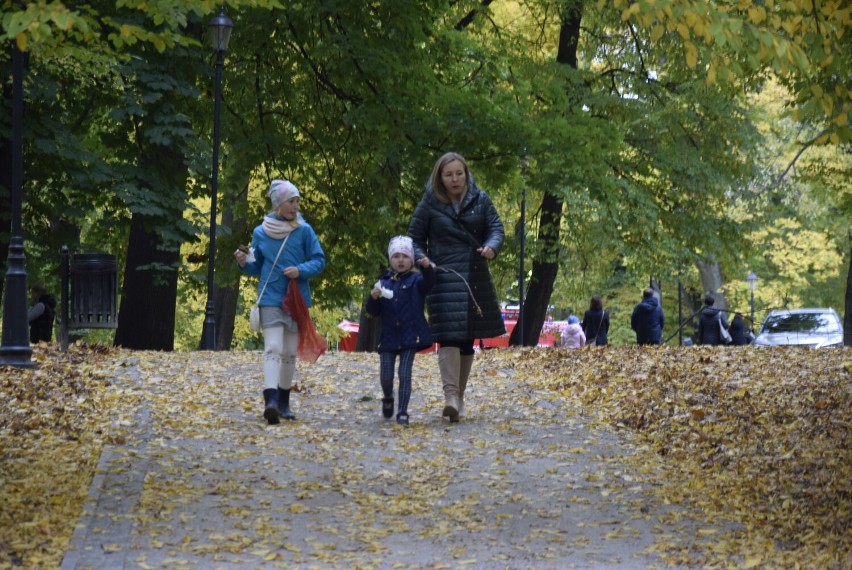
{"x": 637, "y": 152}
{"x": 803, "y": 43}
{"x": 123, "y": 90}
{"x": 805, "y": 46}
{"x": 794, "y": 209}
{"x": 676, "y": 58}
{"x": 651, "y": 192}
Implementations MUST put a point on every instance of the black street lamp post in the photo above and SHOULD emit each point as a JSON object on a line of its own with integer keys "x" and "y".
{"x": 520, "y": 322}
{"x": 220, "y": 33}
{"x": 16, "y": 350}
{"x": 523, "y": 236}
{"x": 752, "y": 285}
{"x": 679, "y": 311}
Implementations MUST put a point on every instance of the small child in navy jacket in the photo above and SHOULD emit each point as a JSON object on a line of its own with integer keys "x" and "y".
{"x": 399, "y": 298}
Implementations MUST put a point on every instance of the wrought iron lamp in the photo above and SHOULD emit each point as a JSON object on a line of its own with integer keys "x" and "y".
{"x": 16, "y": 350}
{"x": 220, "y": 34}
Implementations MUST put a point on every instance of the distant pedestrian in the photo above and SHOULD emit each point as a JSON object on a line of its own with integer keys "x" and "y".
{"x": 647, "y": 319}
{"x": 41, "y": 314}
{"x": 709, "y": 322}
{"x": 457, "y": 227}
{"x": 284, "y": 248}
{"x": 572, "y": 334}
{"x": 399, "y": 298}
{"x": 739, "y": 331}
{"x": 596, "y": 323}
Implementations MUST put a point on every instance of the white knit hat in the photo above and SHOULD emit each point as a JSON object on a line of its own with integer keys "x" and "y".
{"x": 401, "y": 244}
{"x": 282, "y": 190}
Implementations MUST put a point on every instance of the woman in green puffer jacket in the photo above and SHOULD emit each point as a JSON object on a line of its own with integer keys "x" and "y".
{"x": 457, "y": 228}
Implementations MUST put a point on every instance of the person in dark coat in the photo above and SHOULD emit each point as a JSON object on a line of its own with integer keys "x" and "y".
{"x": 708, "y": 323}
{"x": 596, "y": 323}
{"x": 647, "y": 319}
{"x": 399, "y": 298}
{"x": 456, "y": 227}
{"x": 738, "y": 331}
{"x": 41, "y": 314}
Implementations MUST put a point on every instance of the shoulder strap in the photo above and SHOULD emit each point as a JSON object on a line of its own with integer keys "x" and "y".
{"x": 470, "y": 237}
{"x": 280, "y": 249}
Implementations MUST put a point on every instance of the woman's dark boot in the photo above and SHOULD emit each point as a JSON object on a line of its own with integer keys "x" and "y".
{"x": 284, "y": 404}
{"x": 270, "y": 399}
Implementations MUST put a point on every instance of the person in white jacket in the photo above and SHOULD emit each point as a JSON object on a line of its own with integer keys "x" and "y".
{"x": 572, "y": 335}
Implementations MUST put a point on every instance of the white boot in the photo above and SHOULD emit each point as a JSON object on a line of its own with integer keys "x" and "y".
{"x": 465, "y": 364}
{"x": 448, "y": 362}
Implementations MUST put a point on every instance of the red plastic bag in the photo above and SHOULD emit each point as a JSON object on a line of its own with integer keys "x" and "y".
{"x": 311, "y": 343}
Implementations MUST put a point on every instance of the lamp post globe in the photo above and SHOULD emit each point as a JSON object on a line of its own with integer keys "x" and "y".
{"x": 219, "y": 30}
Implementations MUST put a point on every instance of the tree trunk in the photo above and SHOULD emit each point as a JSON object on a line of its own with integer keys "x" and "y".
{"x": 545, "y": 269}
{"x": 146, "y": 316}
{"x": 711, "y": 280}
{"x": 368, "y": 325}
{"x": 226, "y": 292}
{"x": 546, "y": 265}
{"x": 5, "y": 181}
{"x": 5, "y": 208}
{"x": 368, "y": 331}
{"x": 847, "y": 318}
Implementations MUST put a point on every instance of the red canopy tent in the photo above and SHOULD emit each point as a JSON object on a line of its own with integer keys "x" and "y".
{"x": 550, "y": 336}
{"x": 348, "y": 341}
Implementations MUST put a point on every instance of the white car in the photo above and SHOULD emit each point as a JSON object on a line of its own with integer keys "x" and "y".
{"x": 816, "y": 328}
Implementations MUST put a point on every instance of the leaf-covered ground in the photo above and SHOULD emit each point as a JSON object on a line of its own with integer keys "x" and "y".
{"x": 758, "y": 438}
{"x": 54, "y": 420}
{"x": 752, "y": 444}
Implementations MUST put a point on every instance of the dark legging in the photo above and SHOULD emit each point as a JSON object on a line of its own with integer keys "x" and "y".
{"x": 406, "y": 362}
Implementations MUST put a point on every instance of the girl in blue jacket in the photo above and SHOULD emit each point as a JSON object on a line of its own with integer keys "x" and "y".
{"x": 284, "y": 247}
{"x": 399, "y": 298}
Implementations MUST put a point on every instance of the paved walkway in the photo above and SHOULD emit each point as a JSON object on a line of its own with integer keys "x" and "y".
{"x": 203, "y": 482}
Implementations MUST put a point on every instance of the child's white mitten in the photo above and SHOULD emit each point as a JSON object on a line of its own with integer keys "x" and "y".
{"x": 386, "y": 293}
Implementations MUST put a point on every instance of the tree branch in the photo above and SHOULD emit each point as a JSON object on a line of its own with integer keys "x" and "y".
{"x": 792, "y": 163}
{"x": 468, "y": 19}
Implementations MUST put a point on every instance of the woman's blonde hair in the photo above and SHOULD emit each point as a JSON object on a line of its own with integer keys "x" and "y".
{"x": 438, "y": 183}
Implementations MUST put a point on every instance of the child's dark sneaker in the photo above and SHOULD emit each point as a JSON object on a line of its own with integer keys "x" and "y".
{"x": 402, "y": 419}
{"x": 387, "y": 408}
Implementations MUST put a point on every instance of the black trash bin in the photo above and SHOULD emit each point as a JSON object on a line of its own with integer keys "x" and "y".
{"x": 94, "y": 292}
{"x": 93, "y": 301}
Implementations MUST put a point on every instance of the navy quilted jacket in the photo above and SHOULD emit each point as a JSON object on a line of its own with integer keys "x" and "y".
{"x": 403, "y": 322}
